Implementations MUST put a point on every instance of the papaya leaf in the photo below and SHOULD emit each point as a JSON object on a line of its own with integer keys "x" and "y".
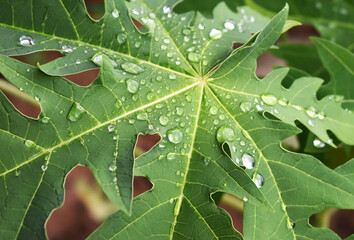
{"x": 177, "y": 76}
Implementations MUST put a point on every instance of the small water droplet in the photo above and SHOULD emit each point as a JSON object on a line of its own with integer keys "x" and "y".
{"x": 290, "y": 223}
{"x": 132, "y": 68}
{"x": 311, "y": 123}
{"x": 97, "y": 59}
{"x": 311, "y": 112}
{"x": 269, "y": 99}
{"x": 45, "y": 119}
{"x": 283, "y": 101}
{"x": 17, "y": 173}
{"x": 29, "y": 143}
{"x": 111, "y": 127}
{"x": 26, "y": 41}
{"x": 166, "y": 9}
{"x": 163, "y": 120}
{"x": 112, "y": 168}
{"x": 78, "y": 61}
{"x": 258, "y": 180}
{"x": 121, "y": 37}
{"x": 175, "y": 136}
{"x": 132, "y": 85}
{"x": 44, "y": 167}
{"x": 171, "y": 156}
{"x": 194, "y": 57}
{"x": 37, "y": 98}
{"x": 246, "y": 106}
{"x": 318, "y": 143}
{"x": 142, "y": 116}
{"x": 229, "y": 25}
{"x": 150, "y": 96}
{"x": 248, "y": 161}
{"x": 172, "y": 76}
{"x": 215, "y": 33}
{"x": 213, "y": 110}
{"x": 225, "y": 133}
{"x": 179, "y": 111}
{"x": 67, "y": 48}
{"x": 207, "y": 160}
{"x": 321, "y": 115}
{"x": 115, "y": 13}
{"x": 75, "y": 112}
{"x": 245, "y": 199}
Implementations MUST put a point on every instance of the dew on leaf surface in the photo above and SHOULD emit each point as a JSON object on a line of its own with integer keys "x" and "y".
{"x": 258, "y": 180}
{"x": 175, "y": 136}
{"x": 207, "y": 160}
{"x": 112, "y": 168}
{"x": 318, "y": 143}
{"x": 225, "y": 133}
{"x": 29, "y": 143}
{"x": 171, "y": 156}
{"x": 311, "y": 112}
{"x": 132, "y": 85}
{"x": 121, "y": 37}
{"x": 269, "y": 99}
{"x": 321, "y": 115}
{"x": 132, "y": 68}
{"x": 246, "y": 106}
{"x": 44, "y": 167}
{"x": 194, "y": 57}
{"x": 115, "y": 13}
{"x": 215, "y": 33}
{"x": 111, "y": 127}
{"x": 45, "y": 119}
{"x": 97, "y": 59}
{"x": 283, "y": 101}
{"x": 179, "y": 111}
{"x": 75, "y": 112}
{"x": 290, "y": 223}
{"x": 248, "y": 160}
{"x": 67, "y": 48}
{"x": 229, "y": 25}
{"x": 142, "y": 116}
{"x": 26, "y": 41}
{"x": 245, "y": 199}
{"x": 213, "y": 110}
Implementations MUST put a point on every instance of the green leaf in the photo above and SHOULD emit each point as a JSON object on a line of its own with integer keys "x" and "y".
{"x": 154, "y": 80}
{"x": 333, "y": 19}
{"x": 340, "y": 64}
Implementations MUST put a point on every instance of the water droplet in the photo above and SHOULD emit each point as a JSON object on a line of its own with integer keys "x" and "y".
{"x": 111, "y": 127}
{"x": 215, "y": 33}
{"x": 75, "y": 112}
{"x": 269, "y": 99}
{"x": 29, "y": 143}
{"x": 225, "y": 133}
{"x": 26, "y": 41}
{"x": 175, "y": 136}
{"x": 17, "y": 173}
{"x": 213, "y": 110}
{"x": 97, "y": 59}
{"x": 37, "y": 98}
{"x": 45, "y": 119}
{"x": 318, "y": 143}
{"x": 44, "y": 167}
{"x": 189, "y": 98}
{"x": 177, "y": 206}
{"x": 194, "y": 57}
{"x": 131, "y": 121}
{"x": 321, "y": 115}
{"x": 67, "y": 48}
{"x": 132, "y": 68}
{"x": 311, "y": 112}
{"x": 179, "y": 111}
{"x": 283, "y": 101}
{"x": 166, "y": 9}
{"x": 142, "y": 116}
{"x": 201, "y": 26}
{"x": 121, "y": 37}
{"x": 132, "y": 85}
{"x": 163, "y": 120}
{"x": 137, "y": 44}
{"x": 115, "y": 13}
{"x": 290, "y": 223}
{"x": 207, "y": 160}
{"x": 258, "y": 180}
{"x": 248, "y": 161}
{"x": 245, "y": 199}
{"x": 229, "y": 25}
{"x": 283, "y": 207}
{"x": 171, "y": 156}
{"x": 311, "y": 123}
{"x": 150, "y": 96}
{"x": 78, "y": 61}
{"x": 246, "y": 106}
{"x": 172, "y": 76}
{"x": 112, "y": 168}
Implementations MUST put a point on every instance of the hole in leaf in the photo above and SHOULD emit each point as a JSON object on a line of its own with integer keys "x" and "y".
{"x": 141, "y": 185}
{"x": 340, "y": 221}
{"x": 41, "y": 57}
{"x": 302, "y": 34}
{"x": 233, "y": 206}
{"x": 266, "y": 62}
{"x": 95, "y": 8}
{"x": 237, "y": 45}
{"x": 145, "y": 143}
{"x": 83, "y": 78}
{"x": 84, "y": 209}
{"x": 24, "y": 103}
{"x": 291, "y": 143}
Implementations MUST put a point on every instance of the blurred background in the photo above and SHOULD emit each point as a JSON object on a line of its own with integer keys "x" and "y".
{"x": 85, "y": 206}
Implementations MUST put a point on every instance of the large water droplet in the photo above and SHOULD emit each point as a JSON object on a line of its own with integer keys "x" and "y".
{"x": 121, "y": 37}
{"x": 132, "y": 85}
{"x": 311, "y": 112}
{"x": 215, "y": 33}
{"x": 175, "y": 136}
{"x": 67, "y": 48}
{"x": 132, "y": 68}
{"x": 115, "y": 13}
{"x": 248, "y": 161}
{"x": 75, "y": 112}
{"x": 163, "y": 120}
{"x": 213, "y": 110}
{"x": 225, "y": 133}
{"x": 26, "y": 41}
{"x": 318, "y": 143}
{"x": 258, "y": 180}
{"x": 194, "y": 57}
{"x": 229, "y": 25}
{"x": 269, "y": 99}
{"x": 246, "y": 106}
{"x": 97, "y": 59}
